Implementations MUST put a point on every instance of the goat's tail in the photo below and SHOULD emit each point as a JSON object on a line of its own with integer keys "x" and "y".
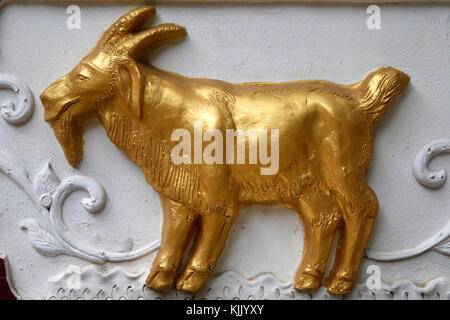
{"x": 379, "y": 90}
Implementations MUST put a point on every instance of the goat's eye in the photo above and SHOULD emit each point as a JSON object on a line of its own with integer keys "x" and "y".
{"x": 81, "y": 77}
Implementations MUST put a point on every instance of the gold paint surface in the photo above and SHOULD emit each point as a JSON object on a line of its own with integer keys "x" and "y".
{"x": 326, "y": 139}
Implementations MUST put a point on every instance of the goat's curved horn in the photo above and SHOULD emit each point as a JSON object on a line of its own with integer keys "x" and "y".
{"x": 143, "y": 42}
{"x": 127, "y": 23}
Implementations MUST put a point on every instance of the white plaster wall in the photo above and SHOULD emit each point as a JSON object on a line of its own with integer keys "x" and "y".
{"x": 237, "y": 43}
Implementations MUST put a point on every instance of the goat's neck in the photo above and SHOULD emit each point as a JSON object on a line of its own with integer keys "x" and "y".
{"x": 166, "y": 97}
{"x": 162, "y": 93}
{"x": 152, "y": 154}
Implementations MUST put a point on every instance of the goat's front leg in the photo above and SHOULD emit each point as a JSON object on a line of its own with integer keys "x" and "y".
{"x": 177, "y": 222}
{"x": 211, "y": 240}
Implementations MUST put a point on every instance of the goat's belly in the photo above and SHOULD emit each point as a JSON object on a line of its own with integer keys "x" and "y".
{"x": 298, "y": 159}
{"x": 283, "y": 187}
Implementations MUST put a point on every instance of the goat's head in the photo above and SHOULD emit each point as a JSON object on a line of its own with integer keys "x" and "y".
{"x": 108, "y": 71}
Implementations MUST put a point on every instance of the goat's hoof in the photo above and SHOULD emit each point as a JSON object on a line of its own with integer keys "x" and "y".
{"x": 192, "y": 280}
{"x": 306, "y": 281}
{"x": 161, "y": 279}
{"x": 339, "y": 285}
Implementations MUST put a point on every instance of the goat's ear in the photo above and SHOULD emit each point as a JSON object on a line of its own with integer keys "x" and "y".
{"x": 131, "y": 87}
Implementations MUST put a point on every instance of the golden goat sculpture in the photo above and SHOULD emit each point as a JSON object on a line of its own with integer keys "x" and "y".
{"x": 326, "y": 139}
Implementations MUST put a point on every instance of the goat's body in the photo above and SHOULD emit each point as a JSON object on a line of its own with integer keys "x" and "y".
{"x": 312, "y": 117}
{"x": 325, "y": 145}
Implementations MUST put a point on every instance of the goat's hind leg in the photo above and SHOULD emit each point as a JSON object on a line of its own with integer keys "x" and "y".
{"x": 320, "y": 215}
{"x": 361, "y": 208}
{"x": 177, "y": 222}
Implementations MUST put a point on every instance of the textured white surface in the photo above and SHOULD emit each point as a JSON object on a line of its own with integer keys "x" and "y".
{"x": 94, "y": 283}
{"x": 236, "y": 43}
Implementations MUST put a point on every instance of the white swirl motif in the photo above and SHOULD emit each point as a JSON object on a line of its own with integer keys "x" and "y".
{"x": 19, "y": 111}
{"x": 93, "y": 203}
{"x": 440, "y": 241}
{"x": 425, "y": 176}
{"x": 51, "y": 237}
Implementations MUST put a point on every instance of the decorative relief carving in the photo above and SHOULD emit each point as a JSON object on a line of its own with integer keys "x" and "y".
{"x": 48, "y": 193}
{"x": 50, "y": 236}
{"x": 322, "y": 178}
{"x": 92, "y": 283}
{"x": 427, "y": 177}
{"x": 440, "y": 241}
{"x": 19, "y": 111}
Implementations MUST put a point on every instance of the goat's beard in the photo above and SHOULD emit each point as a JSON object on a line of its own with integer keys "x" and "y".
{"x": 70, "y": 136}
